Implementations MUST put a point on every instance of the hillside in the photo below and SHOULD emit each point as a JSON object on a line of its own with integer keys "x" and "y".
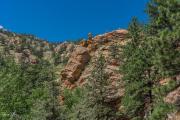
{"x": 74, "y": 63}
{"x": 128, "y": 74}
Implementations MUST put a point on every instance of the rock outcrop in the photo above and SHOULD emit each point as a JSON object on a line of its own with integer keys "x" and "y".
{"x": 110, "y": 36}
{"x": 25, "y": 48}
{"x": 174, "y": 96}
{"x": 104, "y": 39}
{"x": 77, "y": 71}
{"x": 76, "y": 64}
{"x": 174, "y": 116}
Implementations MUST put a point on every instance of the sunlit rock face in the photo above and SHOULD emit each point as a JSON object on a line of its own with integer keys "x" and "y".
{"x": 81, "y": 64}
{"x": 76, "y": 64}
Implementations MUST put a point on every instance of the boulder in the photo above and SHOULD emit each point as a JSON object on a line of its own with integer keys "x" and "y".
{"x": 174, "y": 116}
{"x": 76, "y": 64}
{"x": 174, "y": 96}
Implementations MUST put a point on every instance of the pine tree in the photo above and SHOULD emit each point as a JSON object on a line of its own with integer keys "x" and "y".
{"x": 26, "y": 91}
{"x": 94, "y": 106}
{"x": 135, "y": 29}
{"x": 155, "y": 56}
{"x": 163, "y": 14}
{"x": 115, "y": 51}
{"x": 165, "y": 23}
{"x": 98, "y": 87}
{"x": 136, "y": 70}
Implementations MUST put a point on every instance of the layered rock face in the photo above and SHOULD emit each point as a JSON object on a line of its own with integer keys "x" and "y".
{"x": 80, "y": 67}
{"x": 174, "y": 98}
{"x": 80, "y": 64}
{"x": 108, "y": 37}
{"x": 104, "y": 39}
{"x": 81, "y": 56}
{"x": 76, "y": 64}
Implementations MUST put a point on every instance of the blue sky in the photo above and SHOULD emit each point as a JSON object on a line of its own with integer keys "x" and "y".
{"x": 58, "y": 20}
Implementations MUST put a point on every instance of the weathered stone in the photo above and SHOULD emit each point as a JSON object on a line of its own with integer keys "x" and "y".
{"x": 70, "y": 48}
{"x": 173, "y": 96}
{"x": 174, "y": 116}
{"x": 104, "y": 39}
{"x": 76, "y": 73}
{"x": 76, "y": 64}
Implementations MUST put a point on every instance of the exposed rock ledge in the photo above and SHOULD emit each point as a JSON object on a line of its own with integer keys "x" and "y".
{"x": 76, "y": 64}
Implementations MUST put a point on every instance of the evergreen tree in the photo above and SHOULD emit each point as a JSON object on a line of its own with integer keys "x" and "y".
{"x": 98, "y": 89}
{"x": 165, "y": 22}
{"x": 94, "y": 106}
{"x": 115, "y": 51}
{"x": 133, "y": 69}
{"x": 163, "y": 14}
{"x": 26, "y": 92}
{"x": 154, "y": 57}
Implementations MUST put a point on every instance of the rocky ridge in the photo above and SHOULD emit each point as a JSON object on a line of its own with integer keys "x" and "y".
{"x": 80, "y": 64}
{"x": 77, "y": 61}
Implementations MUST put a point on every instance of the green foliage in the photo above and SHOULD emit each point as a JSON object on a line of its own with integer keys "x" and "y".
{"x": 93, "y": 106}
{"x": 29, "y": 92}
{"x": 2, "y": 41}
{"x": 155, "y": 56}
{"x": 38, "y": 53}
{"x": 59, "y": 58}
{"x": 135, "y": 30}
{"x": 72, "y": 100}
{"x": 26, "y": 91}
{"x": 72, "y": 97}
{"x": 115, "y": 51}
{"x": 160, "y": 111}
{"x": 135, "y": 65}
{"x": 163, "y": 14}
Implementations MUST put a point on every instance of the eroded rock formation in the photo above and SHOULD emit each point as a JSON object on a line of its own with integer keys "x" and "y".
{"x": 76, "y": 64}
{"x": 80, "y": 64}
